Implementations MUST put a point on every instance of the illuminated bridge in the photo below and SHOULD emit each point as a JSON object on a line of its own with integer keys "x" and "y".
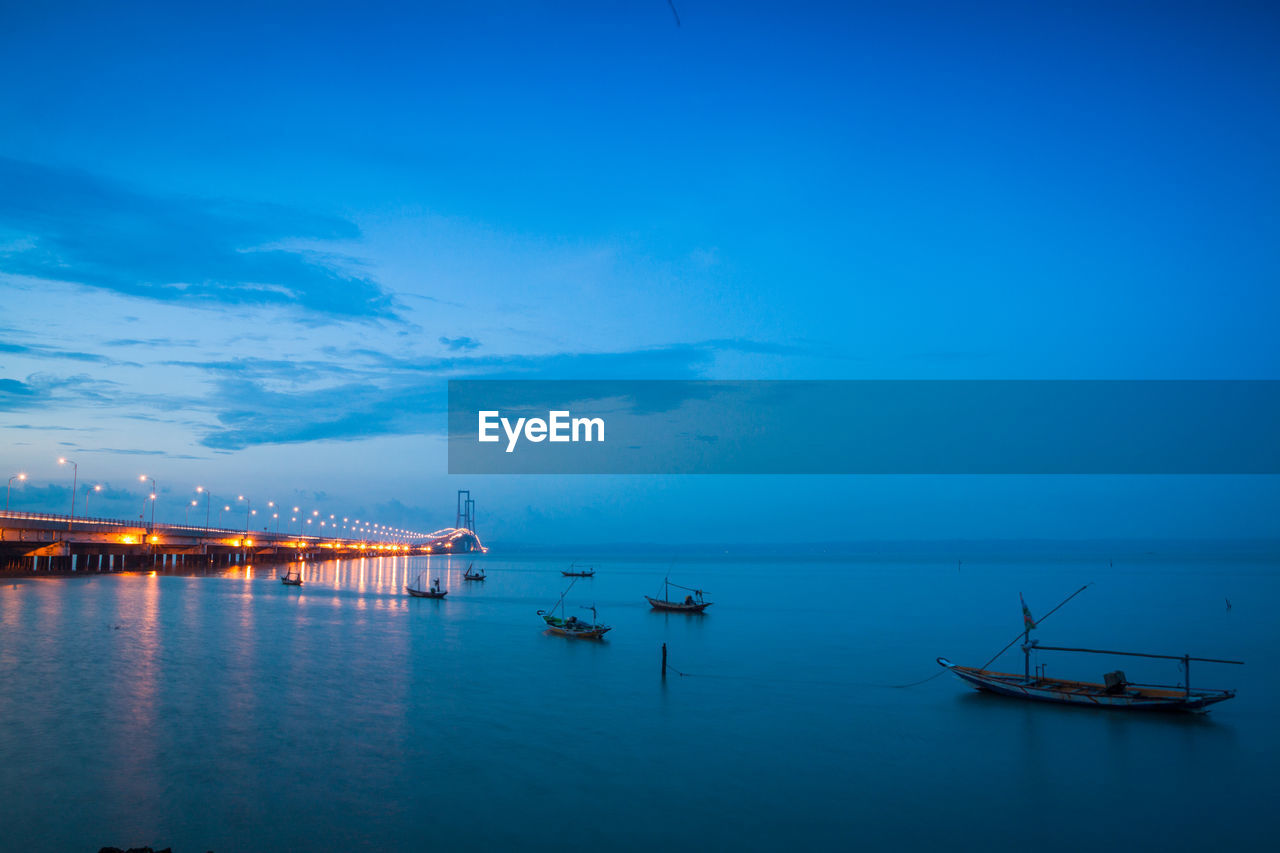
{"x": 39, "y": 542}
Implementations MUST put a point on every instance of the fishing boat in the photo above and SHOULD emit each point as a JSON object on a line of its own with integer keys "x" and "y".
{"x": 1115, "y": 691}
{"x": 471, "y": 574}
{"x": 576, "y": 571}
{"x": 433, "y": 591}
{"x": 573, "y": 626}
{"x": 291, "y": 578}
{"x": 694, "y": 602}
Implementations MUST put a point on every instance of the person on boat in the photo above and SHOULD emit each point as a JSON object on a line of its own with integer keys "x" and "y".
{"x": 688, "y": 599}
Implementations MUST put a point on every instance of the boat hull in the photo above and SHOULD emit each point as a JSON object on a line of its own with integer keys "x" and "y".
{"x": 1087, "y": 694}
{"x": 422, "y": 593}
{"x": 579, "y": 574}
{"x": 591, "y": 634}
{"x": 677, "y": 606}
{"x": 288, "y": 582}
{"x": 576, "y": 630}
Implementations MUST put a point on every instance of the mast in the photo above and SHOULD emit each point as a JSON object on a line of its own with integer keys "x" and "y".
{"x": 1026, "y": 653}
{"x": 560, "y": 603}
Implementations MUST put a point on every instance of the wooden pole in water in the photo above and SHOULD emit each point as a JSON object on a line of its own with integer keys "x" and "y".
{"x": 664, "y": 661}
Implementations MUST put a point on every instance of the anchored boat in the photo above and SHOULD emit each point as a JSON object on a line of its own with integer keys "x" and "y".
{"x": 291, "y": 578}
{"x": 433, "y": 591}
{"x": 579, "y": 572}
{"x": 694, "y": 602}
{"x": 573, "y": 626}
{"x": 1115, "y": 690}
{"x": 471, "y": 575}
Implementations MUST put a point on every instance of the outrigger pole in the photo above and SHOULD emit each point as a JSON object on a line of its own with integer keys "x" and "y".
{"x": 1186, "y": 659}
{"x": 1025, "y": 633}
{"x": 667, "y": 582}
{"x": 560, "y": 602}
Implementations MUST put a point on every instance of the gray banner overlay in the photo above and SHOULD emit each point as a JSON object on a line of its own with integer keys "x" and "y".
{"x": 866, "y": 427}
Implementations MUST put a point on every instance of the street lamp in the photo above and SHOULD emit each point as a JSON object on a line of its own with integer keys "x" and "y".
{"x": 75, "y": 475}
{"x": 19, "y": 478}
{"x": 207, "y": 496}
{"x": 226, "y": 508}
{"x": 186, "y": 513}
{"x": 248, "y": 504}
{"x": 87, "y": 492}
{"x": 142, "y": 479}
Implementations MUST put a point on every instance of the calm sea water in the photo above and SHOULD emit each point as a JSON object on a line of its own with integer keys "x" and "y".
{"x": 228, "y": 712}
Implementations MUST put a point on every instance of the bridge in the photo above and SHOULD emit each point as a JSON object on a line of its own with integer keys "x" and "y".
{"x": 42, "y": 542}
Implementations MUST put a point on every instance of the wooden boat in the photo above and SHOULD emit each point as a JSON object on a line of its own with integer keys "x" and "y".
{"x": 291, "y": 578}
{"x": 573, "y": 626}
{"x": 472, "y": 575}
{"x": 576, "y": 572}
{"x": 1115, "y": 691}
{"x": 693, "y": 602}
{"x": 433, "y": 591}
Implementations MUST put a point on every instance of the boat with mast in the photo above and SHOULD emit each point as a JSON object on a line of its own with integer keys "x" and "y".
{"x": 471, "y": 575}
{"x": 576, "y": 571}
{"x": 573, "y": 626}
{"x": 1114, "y": 692}
{"x": 292, "y": 577}
{"x": 433, "y": 591}
{"x": 694, "y": 602}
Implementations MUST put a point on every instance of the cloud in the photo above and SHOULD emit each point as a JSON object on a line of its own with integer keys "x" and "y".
{"x": 351, "y": 394}
{"x": 459, "y": 343}
{"x": 50, "y": 352}
{"x": 391, "y": 395}
{"x": 116, "y": 451}
{"x": 152, "y": 342}
{"x": 15, "y": 394}
{"x": 80, "y": 228}
{"x": 44, "y": 389}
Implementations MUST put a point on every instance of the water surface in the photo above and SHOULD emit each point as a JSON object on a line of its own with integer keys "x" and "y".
{"x": 228, "y": 712}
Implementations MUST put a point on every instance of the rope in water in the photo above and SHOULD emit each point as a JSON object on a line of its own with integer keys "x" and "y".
{"x": 805, "y": 681}
{"x": 867, "y": 683}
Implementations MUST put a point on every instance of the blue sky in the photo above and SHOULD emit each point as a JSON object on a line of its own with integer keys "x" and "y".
{"x": 246, "y": 248}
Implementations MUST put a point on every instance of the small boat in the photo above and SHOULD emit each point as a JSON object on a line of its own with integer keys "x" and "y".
{"x": 471, "y": 575}
{"x": 573, "y": 626}
{"x": 575, "y": 571}
{"x": 434, "y": 591}
{"x": 693, "y": 602}
{"x": 1115, "y": 691}
{"x": 291, "y": 578}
